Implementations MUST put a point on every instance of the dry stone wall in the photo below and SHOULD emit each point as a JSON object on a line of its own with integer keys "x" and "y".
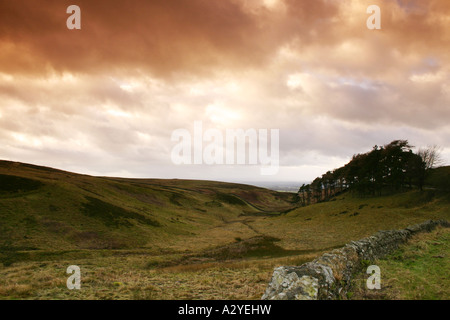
{"x": 328, "y": 276}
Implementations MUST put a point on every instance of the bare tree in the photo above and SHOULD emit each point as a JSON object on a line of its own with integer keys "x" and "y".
{"x": 431, "y": 156}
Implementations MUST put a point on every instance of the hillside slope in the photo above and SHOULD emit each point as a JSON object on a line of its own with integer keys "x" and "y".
{"x": 45, "y": 208}
{"x": 173, "y": 239}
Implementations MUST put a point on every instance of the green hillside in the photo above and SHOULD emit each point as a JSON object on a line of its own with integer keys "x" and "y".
{"x": 439, "y": 178}
{"x": 174, "y": 239}
{"x": 44, "y": 208}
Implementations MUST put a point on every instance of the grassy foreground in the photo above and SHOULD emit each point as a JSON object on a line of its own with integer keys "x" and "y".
{"x": 418, "y": 270}
{"x": 172, "y": 239}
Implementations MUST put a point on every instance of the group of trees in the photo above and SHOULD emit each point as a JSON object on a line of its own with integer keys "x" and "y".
{"x": 392, "y": 167}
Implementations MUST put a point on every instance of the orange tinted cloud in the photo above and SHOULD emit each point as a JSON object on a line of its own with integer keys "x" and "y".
{"x": 159, "y": 36}
{"x": 139, "y": 69}
{"x": 197, "y": 35}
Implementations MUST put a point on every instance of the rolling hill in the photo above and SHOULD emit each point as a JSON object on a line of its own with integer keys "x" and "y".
{"x": 174, "y": 239}
{"x": 45, "y": 208}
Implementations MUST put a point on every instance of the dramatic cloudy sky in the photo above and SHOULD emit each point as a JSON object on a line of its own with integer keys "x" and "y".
{"x": 105, "y": 99}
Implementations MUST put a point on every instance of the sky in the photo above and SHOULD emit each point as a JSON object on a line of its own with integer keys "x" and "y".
{"x": 107, "y": 98}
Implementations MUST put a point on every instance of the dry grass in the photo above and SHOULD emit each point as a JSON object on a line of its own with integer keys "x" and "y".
{"x": 128, "y": 278}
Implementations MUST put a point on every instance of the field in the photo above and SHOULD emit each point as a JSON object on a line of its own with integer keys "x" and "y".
{"x": 172, "y": 239}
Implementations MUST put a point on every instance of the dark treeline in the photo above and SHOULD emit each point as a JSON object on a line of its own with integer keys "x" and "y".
{"x": 391, "y": 168}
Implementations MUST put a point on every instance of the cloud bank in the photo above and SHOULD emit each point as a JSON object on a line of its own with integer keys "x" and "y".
{"x": 105, "y": 99}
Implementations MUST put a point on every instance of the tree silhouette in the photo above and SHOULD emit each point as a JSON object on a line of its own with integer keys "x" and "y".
{"x": 392, "y": 167}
